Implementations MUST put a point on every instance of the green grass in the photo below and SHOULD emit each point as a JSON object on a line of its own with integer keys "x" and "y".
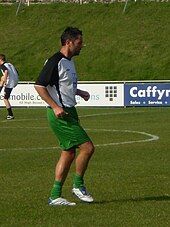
{"x": 130, "y": 182}
{"x": 130, "y": 46}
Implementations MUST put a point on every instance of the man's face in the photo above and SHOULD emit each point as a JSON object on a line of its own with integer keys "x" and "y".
{"x": 1, "y": 61}
{"x": 76, "y": 45}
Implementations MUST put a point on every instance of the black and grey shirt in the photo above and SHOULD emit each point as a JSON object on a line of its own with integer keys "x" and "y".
{"x": 12, "y": 79}
{"x": 59, "y": 77}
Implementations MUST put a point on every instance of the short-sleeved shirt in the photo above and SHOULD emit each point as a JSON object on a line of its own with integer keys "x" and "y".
{"x": 12, "y": 79}
{"x": 59, "y": 77}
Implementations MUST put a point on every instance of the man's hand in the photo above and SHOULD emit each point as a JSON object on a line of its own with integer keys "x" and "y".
{"x": 59, "y": 111}
{"x": 43, "y": 93}
{"x": 84, "y": 94}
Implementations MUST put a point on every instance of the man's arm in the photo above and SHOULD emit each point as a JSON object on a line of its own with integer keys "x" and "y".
{"x": 84, "y": 94}
{"x": 2, "y": 81}
{"x": 4, "y": 78}
{"x": 43, "y": 93}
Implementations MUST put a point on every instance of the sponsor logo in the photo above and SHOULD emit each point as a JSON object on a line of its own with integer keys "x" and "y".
{"x": 149, "y": 92}
{"x": 146, "y": 94}
{"x": 110, "y": 92}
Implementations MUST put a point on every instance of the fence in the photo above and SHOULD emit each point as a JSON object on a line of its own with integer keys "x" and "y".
{"x": 75, "y": 1}
{"x": 102, "y": 93}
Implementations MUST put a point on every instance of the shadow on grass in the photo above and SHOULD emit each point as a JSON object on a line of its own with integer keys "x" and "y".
{"x": 137, "y": 199}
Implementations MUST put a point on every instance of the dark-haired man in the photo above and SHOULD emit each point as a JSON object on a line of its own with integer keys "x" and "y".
{"x": 57, "y": 85}
{"x": 9, "y": 80}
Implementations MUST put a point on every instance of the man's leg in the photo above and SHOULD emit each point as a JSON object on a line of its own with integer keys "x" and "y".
{"x": 7, "y": 93}
{"x": 85, "y": 153}
{"x": 61, "y": 171}
{"x": 82, "y": 160}
{"x": 9, "y": 109}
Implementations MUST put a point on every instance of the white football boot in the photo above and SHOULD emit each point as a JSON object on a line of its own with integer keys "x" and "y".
{"x": 9, "y": 117}
{"x": 60, "y": 202}
{"x": 82, "y": 194}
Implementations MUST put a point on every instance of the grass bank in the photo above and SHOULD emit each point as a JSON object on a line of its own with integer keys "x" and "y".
{"x": 130, "y": 46}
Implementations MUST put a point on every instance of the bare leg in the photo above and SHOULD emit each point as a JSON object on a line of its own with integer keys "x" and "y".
{"x": 9, "y": 109}
{"x": 79, "y": 189}
{"x": 86, "y": 151}
{"x": 7, "y": 103}
{"x": 61, "y": 172}
{"x": 64, "y": 164}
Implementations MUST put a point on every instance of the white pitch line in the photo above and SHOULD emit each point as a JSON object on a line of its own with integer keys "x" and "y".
{"x": 23, "y": 119}
{"x": 80, "y": 116}
{"x": 21, "y": 127}
{"x": 29, "y": 148}
{"x": 113, "y": 113}
{"x": 151, "y": 138}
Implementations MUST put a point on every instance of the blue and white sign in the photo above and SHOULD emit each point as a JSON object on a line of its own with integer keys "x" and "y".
{"x": 147, "y": 94}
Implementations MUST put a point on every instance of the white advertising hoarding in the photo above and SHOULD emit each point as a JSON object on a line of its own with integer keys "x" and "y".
{"x": 24, "y": 95}
{"x": 102, "y": 95}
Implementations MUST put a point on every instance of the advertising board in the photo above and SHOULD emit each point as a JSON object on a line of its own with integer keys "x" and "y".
{"x": 102, "y": 95}
{"x": 147, "y": 94}
{"x": 24, "y": 95}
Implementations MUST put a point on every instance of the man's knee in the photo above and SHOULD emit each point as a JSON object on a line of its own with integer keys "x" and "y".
{"x": 92, "y": 148}
{"x": 68, "y": 155}
{"x": 88, "y": 148}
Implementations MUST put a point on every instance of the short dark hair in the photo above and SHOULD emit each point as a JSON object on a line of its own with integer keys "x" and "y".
{"x": 2, "y": 57}
{"x": 70, "y": 33}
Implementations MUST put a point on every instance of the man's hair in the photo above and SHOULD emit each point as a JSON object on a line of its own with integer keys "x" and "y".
{"x": 2, "y": 57}
{"x": 71, "y": 34}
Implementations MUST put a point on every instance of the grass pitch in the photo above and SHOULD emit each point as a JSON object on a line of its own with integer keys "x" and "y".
{"x": 128, "y": 175}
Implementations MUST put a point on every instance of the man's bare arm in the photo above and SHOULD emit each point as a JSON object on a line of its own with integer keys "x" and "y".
{"x": 43, "y": 93}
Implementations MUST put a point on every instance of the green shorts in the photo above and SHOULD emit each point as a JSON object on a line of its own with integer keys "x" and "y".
{"x": 67, "y": 128}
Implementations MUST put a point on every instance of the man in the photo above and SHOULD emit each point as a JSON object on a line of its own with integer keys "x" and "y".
{"x": 57, "y": 86}
{"x": 9, "y": 80}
